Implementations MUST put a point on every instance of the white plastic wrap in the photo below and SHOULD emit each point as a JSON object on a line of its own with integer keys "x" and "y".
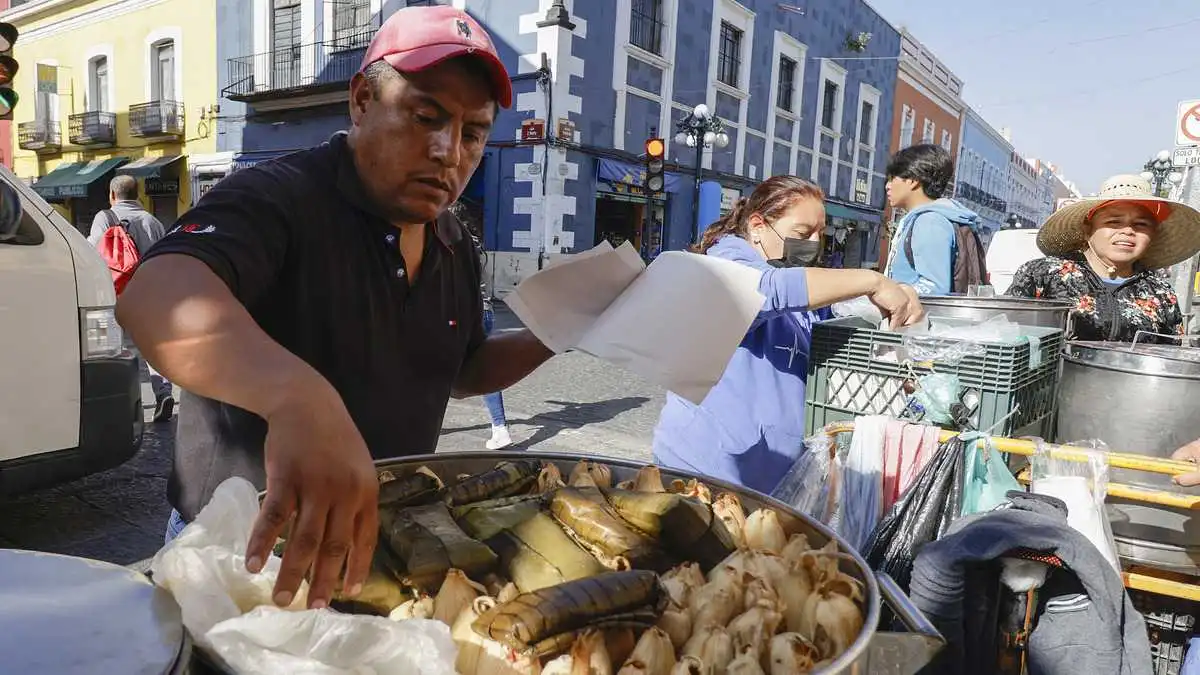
{"x": 812, "y": 485}
{"x": 229, "y": 611}
{"x": 951, "y": 343}
{"x": 1083, "y": 487}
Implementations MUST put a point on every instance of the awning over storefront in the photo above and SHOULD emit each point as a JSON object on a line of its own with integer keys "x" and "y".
{"x": 612, "y": 171}
{"x": 148, "y": 167}
{"x": 245, "y": 160}
{"x": 863, "y": 214}
{"x": 72, "y": 180}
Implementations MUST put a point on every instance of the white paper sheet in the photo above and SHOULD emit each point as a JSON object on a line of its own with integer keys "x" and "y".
{"x": 675, "y": 323}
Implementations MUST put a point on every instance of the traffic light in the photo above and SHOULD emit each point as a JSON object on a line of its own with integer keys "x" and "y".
{"x": 8, "y": 70}
{"x": 656, "y": 149}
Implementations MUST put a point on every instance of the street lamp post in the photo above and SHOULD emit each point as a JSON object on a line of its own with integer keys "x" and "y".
{"x": 700, "y": 129}
{"x": 1161, "y": 172}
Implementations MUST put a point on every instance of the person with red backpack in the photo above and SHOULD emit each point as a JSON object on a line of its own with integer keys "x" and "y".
{"x": 936, "y": 248}
{"x": 122, "y": 233}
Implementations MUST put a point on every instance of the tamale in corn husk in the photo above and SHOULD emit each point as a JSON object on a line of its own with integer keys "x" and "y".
{"x": 426, "y": 543}
{"x": 537, "y": 553}
{"x": 484, "y": 520}
{"x": 679, "y": 523}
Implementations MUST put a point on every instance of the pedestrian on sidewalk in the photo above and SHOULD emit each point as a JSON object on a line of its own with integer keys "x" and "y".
{"x": 126, "y": 211}
{"x": 320, "y": 309}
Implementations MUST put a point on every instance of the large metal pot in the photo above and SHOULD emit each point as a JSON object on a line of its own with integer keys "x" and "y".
{"x": 1021, "y": 311}
{"x": 875, "y": 652}
{"x": 1139, "y": 399}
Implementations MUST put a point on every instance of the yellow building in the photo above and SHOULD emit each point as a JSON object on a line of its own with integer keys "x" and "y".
{"x": 113, "y": 86}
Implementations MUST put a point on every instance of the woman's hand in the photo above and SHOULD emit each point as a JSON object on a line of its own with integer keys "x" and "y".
{"x": 898, "y": 302}
{"x": 1188, "y": 453}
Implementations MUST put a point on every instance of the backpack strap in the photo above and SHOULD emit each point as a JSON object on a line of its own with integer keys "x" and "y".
{"x": 908, "y": 250}
{"x": 111, "y": 217}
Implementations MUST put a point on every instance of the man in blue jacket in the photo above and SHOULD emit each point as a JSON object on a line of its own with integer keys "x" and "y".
{"x": 924, "y": 247}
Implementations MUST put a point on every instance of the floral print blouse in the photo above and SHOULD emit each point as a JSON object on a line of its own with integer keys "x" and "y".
{"x": 1103, "y": 312}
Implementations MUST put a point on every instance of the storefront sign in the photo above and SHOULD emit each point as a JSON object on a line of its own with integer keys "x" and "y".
{"x": 861, "y": 194}
{"x": 156, "y": 187}
{"x": 533, "y": 130}
{"x": 729, "y": 198}
{"x": 633, "y": 175}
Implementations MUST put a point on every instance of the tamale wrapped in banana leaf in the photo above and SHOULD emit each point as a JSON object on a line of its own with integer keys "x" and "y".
{"x": 380, "y": 594}
{"x": 420, "y": 487}
{"x": 426, "y": 543}
{"x": 680, "y": 523}
{"x": 586, "y": 513}
{"x": 483, "y": 520}
{"x": 505, "y": 480}
{"x": 537, "y": 553}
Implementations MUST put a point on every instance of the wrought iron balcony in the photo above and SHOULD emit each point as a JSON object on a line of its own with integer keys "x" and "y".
{"x": 301, "y": 70}
{"x": 39, "y": 136}
{"x": 92, "y": 128}
{"x": 157, "y": 118}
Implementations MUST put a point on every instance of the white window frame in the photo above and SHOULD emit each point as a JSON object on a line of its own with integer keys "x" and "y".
{"x": 740, "y": 17}
{"x": 665, "y": 63}
{"x": 261, "y": 14}
{"x": 327, "y": 19}
{"x": 947, "y": 139}
{"x": 929, "y": 131}
{"x": 785, "y": 45}
{"x": 866, "y": 94}
{"x": 831, "y": 72}
{"x": 92, "y": 53}
{"x": 161, "y": 34}
{"x": 907, "y": 131}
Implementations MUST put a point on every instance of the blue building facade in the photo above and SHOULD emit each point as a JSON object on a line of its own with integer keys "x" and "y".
{"x": 563, "y": 172}
{"x": 984, "y": 163}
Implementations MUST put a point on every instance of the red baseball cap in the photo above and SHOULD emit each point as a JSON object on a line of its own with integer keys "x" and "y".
{"x": 416, "y": 38}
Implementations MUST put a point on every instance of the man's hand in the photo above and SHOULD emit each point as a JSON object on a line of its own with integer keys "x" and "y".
{"x": 898, "y": 302}
{"x": 1188, "y": 453}
{"x": 318, "y": 470}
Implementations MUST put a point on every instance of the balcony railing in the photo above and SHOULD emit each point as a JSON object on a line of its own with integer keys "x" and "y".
{"x": 39, "y": 135}
{"x": 92, "y": 128}
{"x": 156, "y": 118}
{"x": 297, "y": 71}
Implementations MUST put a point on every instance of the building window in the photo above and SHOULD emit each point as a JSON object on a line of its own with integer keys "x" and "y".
{"x": 162, "y": 70}
{"x": 787, "y": 83}
{"x": 866, "y": 130}
{"x": 927, "y": 135}
{"x": 351, "y": 24}
{"x": 908, "y": 126}
{"x": 729, "y": 55}
{"x": 947, "y": 139}
{"x": 98, "y": 84}
{"x": 829, "y": 104}
{"x": 646, "y": 25}
{"x": 285, "y": 44}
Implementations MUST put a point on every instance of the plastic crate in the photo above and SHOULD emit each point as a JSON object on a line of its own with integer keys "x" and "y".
{"x": 1170, "y": 624}
{"x": 855, "y": 369}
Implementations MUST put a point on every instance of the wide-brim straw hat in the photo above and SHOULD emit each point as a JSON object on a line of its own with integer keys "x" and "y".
{"x": 1176, "y": 239}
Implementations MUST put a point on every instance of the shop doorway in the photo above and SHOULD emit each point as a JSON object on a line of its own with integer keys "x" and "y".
{"x": 622, "y": 218}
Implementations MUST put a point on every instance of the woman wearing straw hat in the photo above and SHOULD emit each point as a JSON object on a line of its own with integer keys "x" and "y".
{"x": 1103, "y": 254}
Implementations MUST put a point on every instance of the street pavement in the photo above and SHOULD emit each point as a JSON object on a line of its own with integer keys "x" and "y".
{"x": 574, "y": 404}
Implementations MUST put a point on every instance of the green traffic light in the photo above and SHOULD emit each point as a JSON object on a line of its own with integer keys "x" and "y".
{"x": 8, "y": 101}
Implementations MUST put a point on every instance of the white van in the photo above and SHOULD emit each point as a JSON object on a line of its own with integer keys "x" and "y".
{"x": 1008, "y": 250}
{"x": 70, "y": 393}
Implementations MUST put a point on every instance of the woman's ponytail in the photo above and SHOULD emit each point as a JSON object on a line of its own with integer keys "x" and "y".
{"x": 770, "y": 199}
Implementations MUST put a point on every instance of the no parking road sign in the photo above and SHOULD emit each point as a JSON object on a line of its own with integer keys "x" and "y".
{"x": 1187, "y": 123}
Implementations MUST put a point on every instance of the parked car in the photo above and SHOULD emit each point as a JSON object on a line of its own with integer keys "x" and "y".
{"x": 70, "y": 393}
{"x": 1008, "y": 250}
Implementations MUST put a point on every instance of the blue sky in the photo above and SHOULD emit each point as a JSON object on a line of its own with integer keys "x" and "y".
{"x": 1089, "y": 85}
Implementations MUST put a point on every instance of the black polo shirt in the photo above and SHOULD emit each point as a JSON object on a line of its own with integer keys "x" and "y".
{"x": 296, "y": 242}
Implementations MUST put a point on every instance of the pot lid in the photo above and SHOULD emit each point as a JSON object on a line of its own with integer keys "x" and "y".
{"x": 997, "y": 302}
{"x": 68, "y": 616}
{"x": 1150, "y": 359}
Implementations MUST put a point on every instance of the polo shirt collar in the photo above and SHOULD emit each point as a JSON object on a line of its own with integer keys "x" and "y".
{"x": 448, "y": 230}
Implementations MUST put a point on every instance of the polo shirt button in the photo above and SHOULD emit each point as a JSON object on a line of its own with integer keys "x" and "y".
{"x": 400, "y": 273}
{"x": 391, "y": 239}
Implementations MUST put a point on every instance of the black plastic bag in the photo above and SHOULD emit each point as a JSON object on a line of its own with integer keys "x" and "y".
{"x": 923, "y": 514}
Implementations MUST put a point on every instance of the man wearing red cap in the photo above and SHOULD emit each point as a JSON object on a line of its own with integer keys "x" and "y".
{"x": 320, "y": 309}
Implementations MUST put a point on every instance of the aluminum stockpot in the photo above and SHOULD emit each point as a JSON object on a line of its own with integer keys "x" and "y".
{"x": 1021, "y": 311}
{"x": 1137, "y": 398}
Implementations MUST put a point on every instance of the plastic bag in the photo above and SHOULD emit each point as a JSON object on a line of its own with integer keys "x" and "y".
{"x": 861, "y": 500}
{"x": 937, "y": 395}
{"x": 1083, "y": 487}
{"x": 987, "y": 478}
{"x": 861, "y": 307}
{"x": 230, "y": 613}
{"x": 951, "y": 343}
{"x": 811, "y": 486}
{"x": 924, "y": 513}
